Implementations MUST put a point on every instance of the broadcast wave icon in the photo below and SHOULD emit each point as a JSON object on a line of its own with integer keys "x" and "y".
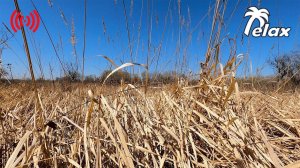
{"x": 17, "y": 20}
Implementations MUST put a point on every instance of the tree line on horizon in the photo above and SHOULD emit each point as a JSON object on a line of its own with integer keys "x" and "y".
{"x": 286, "y": 66}
{"x": 73, "y": 75}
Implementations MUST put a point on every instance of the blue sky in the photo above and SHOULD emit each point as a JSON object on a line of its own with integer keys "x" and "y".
{"x": 114, "y": 43}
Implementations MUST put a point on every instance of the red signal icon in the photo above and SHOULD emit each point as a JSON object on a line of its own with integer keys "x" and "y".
{"x": 17, "y": 20}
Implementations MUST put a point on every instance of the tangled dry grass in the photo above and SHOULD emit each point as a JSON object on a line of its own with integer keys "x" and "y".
{"x": 211, "y": 124}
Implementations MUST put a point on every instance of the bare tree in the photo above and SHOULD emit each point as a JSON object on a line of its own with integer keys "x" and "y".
{"x": 287, "y": 66}
{"x": 3, "y": 72}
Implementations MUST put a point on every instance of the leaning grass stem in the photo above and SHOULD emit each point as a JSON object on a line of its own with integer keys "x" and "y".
{"x": 50, "y": 38}
{"x": 38, "y": 114}
{"x": 84, "y": 39}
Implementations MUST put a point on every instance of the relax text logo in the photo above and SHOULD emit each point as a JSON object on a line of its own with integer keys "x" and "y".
{"x": 264, "y": 29}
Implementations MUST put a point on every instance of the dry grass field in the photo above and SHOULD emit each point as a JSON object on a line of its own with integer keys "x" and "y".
{"x": 215, "y": 122}
{"x": 211, "y": 124}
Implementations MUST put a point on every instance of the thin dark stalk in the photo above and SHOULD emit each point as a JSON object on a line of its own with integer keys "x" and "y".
{"x": 139, "y": 30}
{"x": 149, "y": 25}
{"x": 37, "y": 55}
{"x": 208, "y": 52}
{"x": 84, "y": 41}
{"x": 178, "y": 48}
{"x": 162, "y": 36}
{"x": 62, "y": 48}
{"x": 128, "y": 35}
{"x": 51, "y": 74}
{"x": 55, "y": 50}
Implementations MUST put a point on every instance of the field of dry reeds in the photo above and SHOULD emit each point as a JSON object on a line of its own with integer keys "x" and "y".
{"x": 210, "y": 124}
